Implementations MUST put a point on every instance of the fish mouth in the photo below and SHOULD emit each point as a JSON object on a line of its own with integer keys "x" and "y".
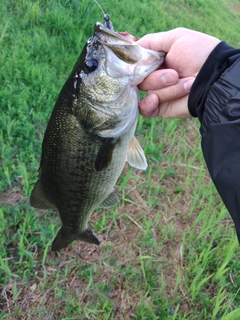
{"x": 109, "y": 36}
{"x": 124, "y": 56}
{"x": 124, "y": 45}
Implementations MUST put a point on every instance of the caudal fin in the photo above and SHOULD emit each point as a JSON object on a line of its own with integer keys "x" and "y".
{"x": 88, "y": 236}
{"x": 62, "y": 241}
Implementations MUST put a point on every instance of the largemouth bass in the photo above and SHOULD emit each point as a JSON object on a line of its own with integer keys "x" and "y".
{"x": 90, "y": 134}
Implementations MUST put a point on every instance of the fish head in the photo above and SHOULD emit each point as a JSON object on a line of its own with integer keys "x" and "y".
{"x": 124, "y": 57}
{"x": 110, "y": 67}
{"x": 113, "y": 60}
{"x": 119, "y": 55}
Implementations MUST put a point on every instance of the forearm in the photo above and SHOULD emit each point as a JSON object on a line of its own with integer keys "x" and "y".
{"x": 215, "y": 99}
{"x": 221, "y": 58}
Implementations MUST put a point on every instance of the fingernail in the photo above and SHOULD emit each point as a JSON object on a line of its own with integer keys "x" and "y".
{"x": 169, "y": 78}
{"x": 188, "y": 85}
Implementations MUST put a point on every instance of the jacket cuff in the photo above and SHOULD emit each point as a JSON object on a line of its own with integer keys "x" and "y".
{"x": 218, "y": 61}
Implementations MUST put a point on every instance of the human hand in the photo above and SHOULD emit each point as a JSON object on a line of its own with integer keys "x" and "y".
{"x": 168, "y": 88}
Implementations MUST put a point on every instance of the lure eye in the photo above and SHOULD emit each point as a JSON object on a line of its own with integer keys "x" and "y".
{"x": 91, "y": 65}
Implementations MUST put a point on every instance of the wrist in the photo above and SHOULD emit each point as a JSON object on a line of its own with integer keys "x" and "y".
{"x": 210, "y": 72}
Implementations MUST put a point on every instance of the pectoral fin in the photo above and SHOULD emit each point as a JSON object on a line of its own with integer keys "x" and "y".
{"x": 39, "y": 198}
{"x": 104, "y": 156}
{"x": 110, "y": 201}
{"x": 135, "y": 155}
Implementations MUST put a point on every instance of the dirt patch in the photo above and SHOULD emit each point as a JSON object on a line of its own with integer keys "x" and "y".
{"x": 12, "y": 197}
{"x": 234, "y": 6}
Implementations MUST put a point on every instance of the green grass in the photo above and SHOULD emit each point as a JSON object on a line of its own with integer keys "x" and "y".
{"x": 169, "y": 249}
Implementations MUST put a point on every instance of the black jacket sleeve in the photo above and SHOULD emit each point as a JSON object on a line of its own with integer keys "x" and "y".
{"x": 215, "y": 100}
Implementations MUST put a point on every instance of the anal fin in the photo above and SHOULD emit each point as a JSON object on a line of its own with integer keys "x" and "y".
{"x": 135, "y": 155}
{"x": 110, "y": 201}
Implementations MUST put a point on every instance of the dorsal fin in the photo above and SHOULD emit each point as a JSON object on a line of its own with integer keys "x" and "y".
{"x": 39, "y": 198}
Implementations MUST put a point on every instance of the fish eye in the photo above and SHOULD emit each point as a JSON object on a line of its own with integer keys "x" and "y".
{"x": 91, "y": 65}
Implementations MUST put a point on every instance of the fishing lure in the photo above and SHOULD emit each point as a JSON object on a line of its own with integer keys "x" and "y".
{"x": 108, "y": 23}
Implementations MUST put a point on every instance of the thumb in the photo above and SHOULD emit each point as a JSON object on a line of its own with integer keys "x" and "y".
{"x": 160, "y": 41}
